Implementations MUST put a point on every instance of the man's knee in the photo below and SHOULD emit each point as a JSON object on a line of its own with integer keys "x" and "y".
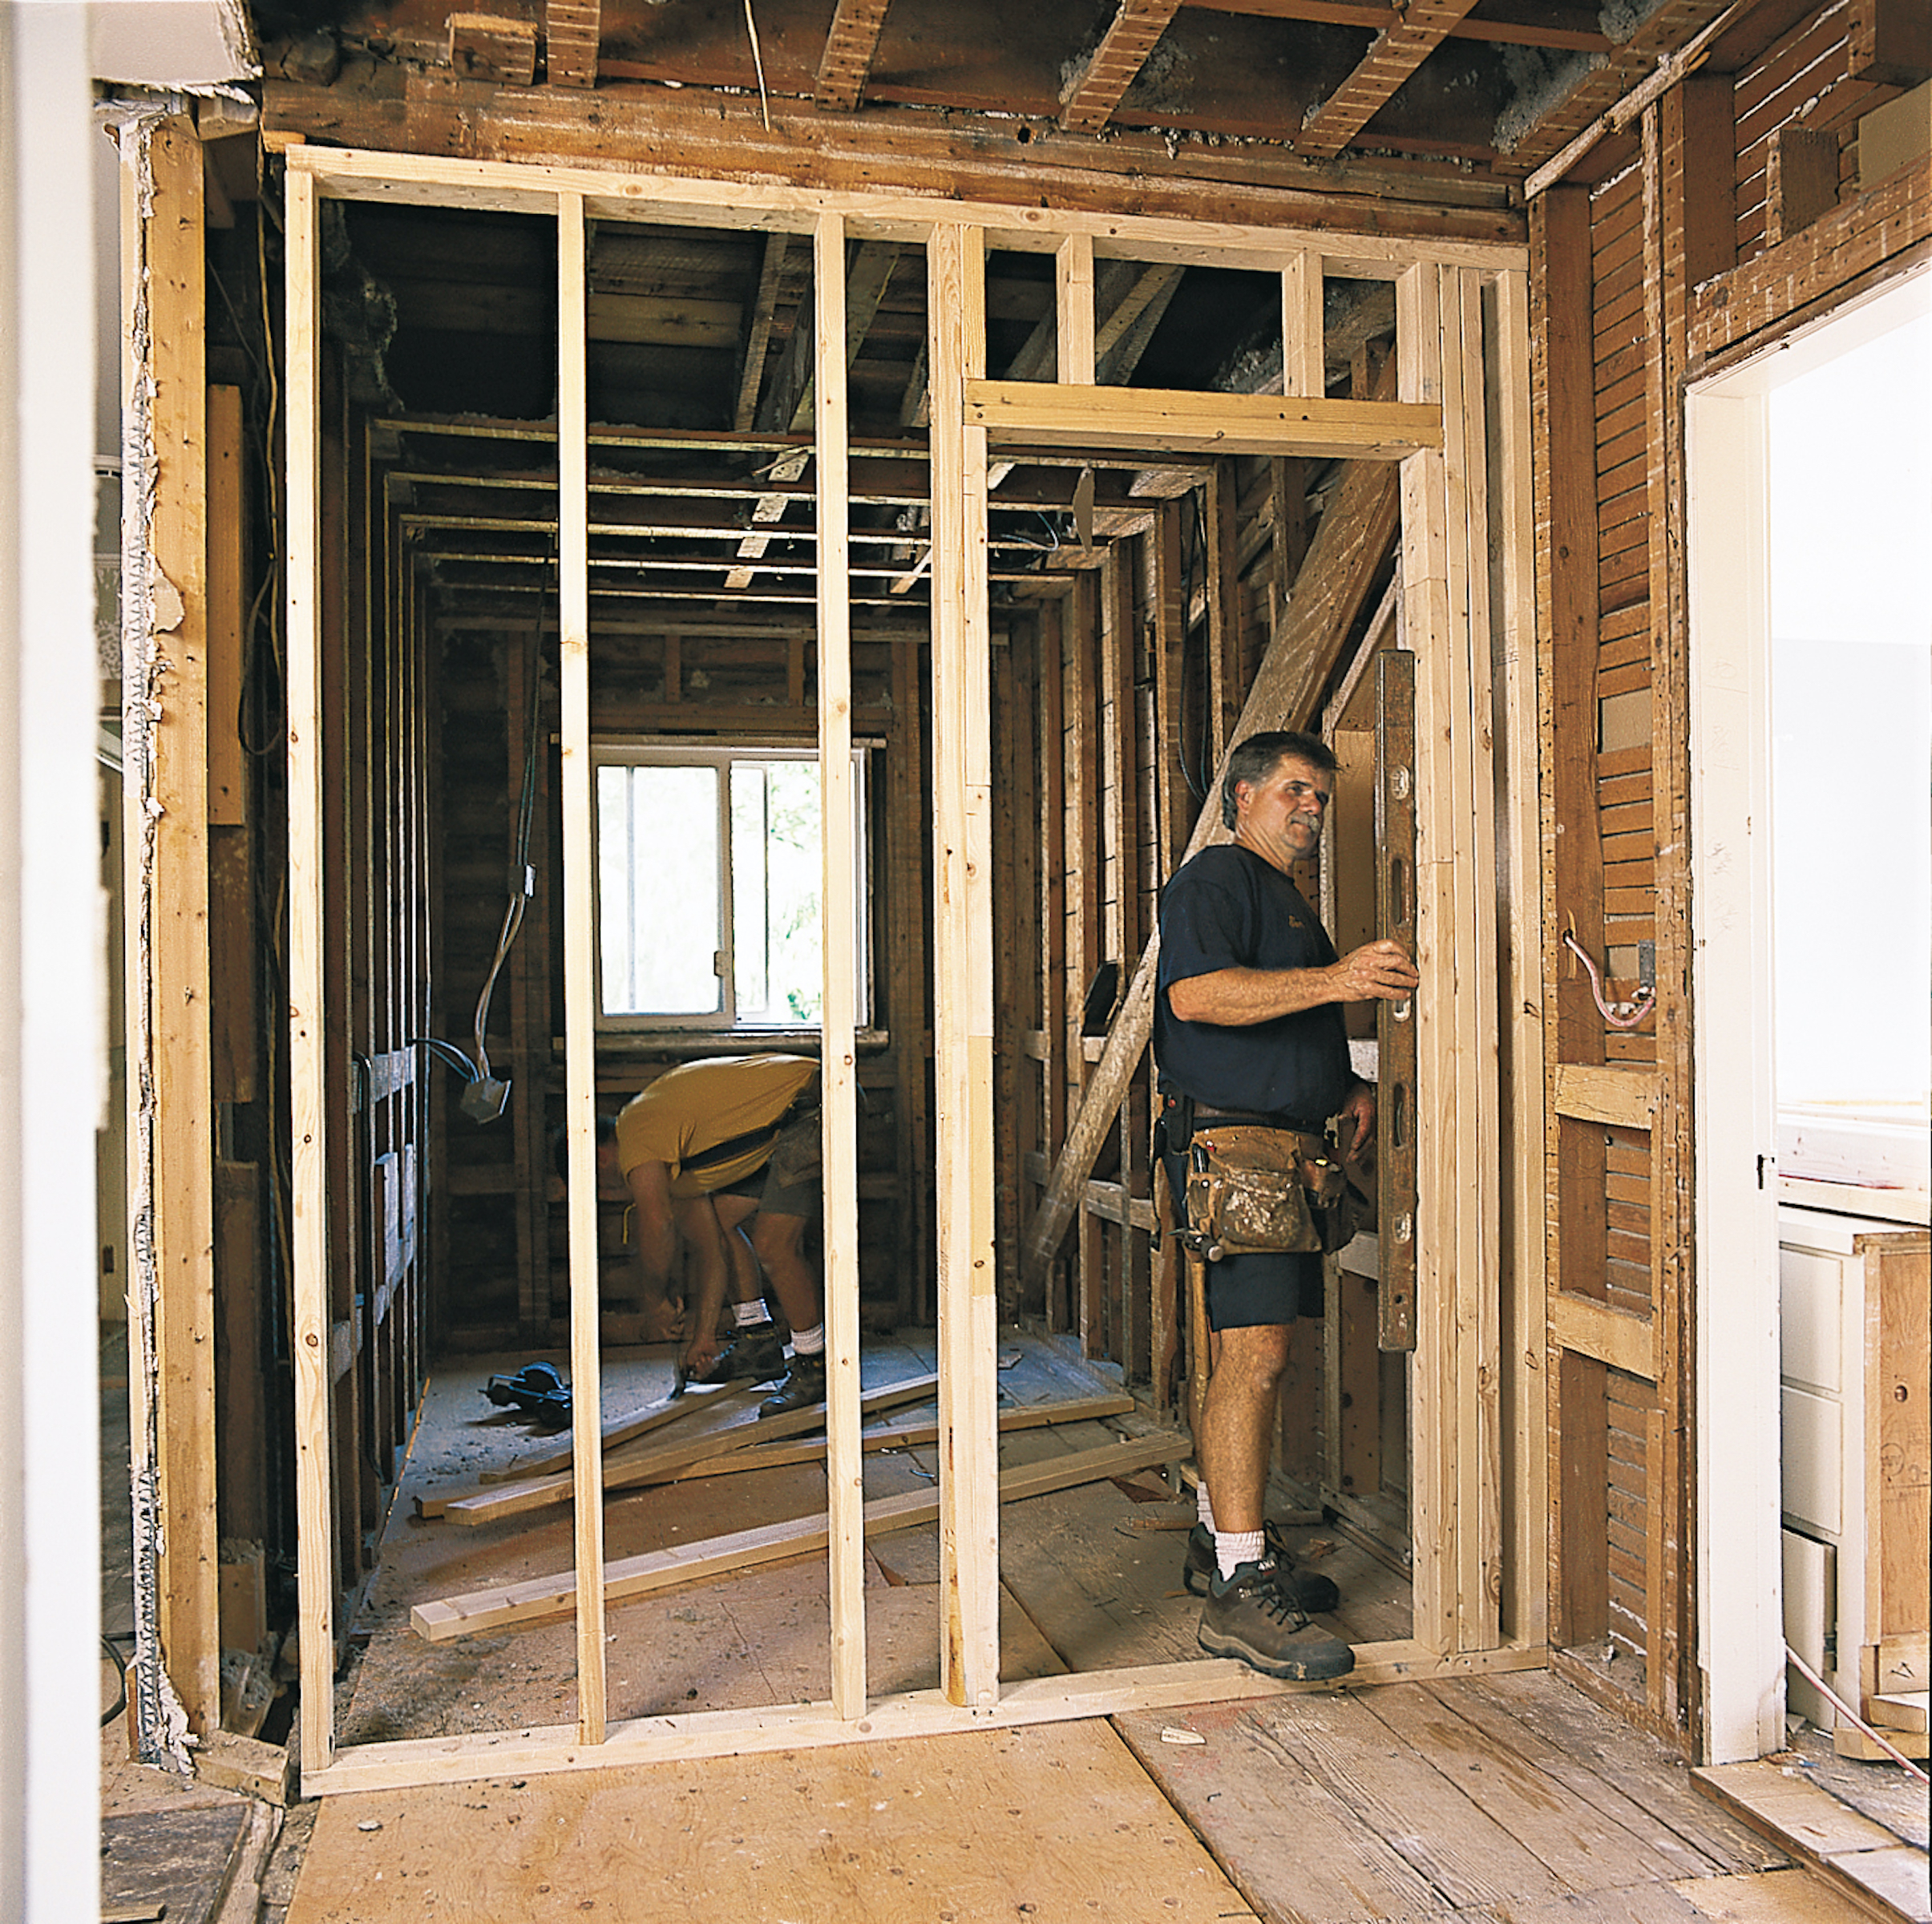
{"x": 1257, "y": 1353}
{"x": 777, "y": 1239}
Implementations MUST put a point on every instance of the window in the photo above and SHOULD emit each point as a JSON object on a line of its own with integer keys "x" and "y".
{"x": 708, "y": 875}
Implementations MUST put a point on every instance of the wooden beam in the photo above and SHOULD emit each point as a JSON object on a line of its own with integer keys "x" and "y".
{"x": 1801, "y": 181}
{"x": 1088, "y": 103}
{"x": 850, "y": 42}
{"x": 962, "y": 1025}
{"x": 1661, "y": 44}
{"x": 751, "y": 375}
{"x": 837, "y": 332}
{"x": 309, "y": 1252}
{"x": 492, "y": 47}
{"x": 1022, "y": 413}
{"x": 167, "y": 904}
{"x": 571, "y": 30}
{"x": 547, "y": 1599}
{"x": 1073, "y": 311}
{"x": 1580, "y": 34}
{"x": 1397, "y": 51}
{"x": 579, "y": 960}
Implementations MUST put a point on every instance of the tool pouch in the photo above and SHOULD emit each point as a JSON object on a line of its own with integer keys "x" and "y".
{"x": 1250, "y": 1189}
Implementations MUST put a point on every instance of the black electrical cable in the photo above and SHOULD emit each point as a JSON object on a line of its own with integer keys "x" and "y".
{"x": 120, "y": 1672}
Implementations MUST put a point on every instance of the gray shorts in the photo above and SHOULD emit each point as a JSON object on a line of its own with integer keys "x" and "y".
{"x": 788, "y": 1183}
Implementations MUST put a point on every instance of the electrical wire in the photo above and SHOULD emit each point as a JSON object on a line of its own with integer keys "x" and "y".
{"x": 1619, "y": 1014}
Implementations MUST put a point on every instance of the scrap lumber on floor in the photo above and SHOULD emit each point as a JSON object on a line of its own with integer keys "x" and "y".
{"x": 658, "y": 1463}
{"x": 906, "y": 1435}
{"x": 543, "y": 1598}
{"x": 620, "y": 1430}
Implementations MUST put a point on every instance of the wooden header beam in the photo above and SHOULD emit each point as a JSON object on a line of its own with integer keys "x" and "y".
{"x": 1028, "y": 414}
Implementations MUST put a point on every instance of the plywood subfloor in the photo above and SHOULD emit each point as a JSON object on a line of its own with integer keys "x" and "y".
{"x": 1049, "y": 1824}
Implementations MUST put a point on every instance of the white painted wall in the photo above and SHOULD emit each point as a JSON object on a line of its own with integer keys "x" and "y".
{"x": 52, "y": 974}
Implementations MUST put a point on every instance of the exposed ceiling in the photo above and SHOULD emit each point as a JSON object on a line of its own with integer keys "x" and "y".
{"x": 699, "y": 371}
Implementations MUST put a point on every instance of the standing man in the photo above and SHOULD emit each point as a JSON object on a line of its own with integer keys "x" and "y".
{"x": 1247, "y": 1027}
{"x": 712, "y": 1153}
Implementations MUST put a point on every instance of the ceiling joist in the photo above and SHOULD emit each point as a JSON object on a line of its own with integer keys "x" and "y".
{"x": 1395, "y": 53}
{"x": 850, "y": 44}
{"x": 1089, "y": 102}
{"x": 571, "y": 30}
{"x": 1572, "y": 29}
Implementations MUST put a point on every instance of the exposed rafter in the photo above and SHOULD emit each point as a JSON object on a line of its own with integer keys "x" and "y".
{"x": 1668, "y": 42}
{"x": 850, "y": 44}
{"x": 571, "y": 30}
{"x": 751, "y": 373}
{"x": 1574, "y": 29}
{"x": 1090, "y": 99}
{"x": 1396, "y": 52}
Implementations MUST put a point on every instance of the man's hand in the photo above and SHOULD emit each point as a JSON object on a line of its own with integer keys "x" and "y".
{"x": 1378, "y": 971}
{"x": 1356, "y": 1121}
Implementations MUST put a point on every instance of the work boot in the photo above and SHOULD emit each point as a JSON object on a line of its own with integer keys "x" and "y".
{"x": 753, "y": 1355}
{"x": 1247, "y": 1615}
{"x": 803, "y": 1386}
{"x": 1304, "y": 1588}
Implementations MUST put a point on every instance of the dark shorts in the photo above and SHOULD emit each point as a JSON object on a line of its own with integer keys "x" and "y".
{"x": 788, "y": 1183}
{"x": 1245, "y": 1292}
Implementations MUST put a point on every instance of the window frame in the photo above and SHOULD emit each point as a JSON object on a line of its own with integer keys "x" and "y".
{"x": 681, "y": 752}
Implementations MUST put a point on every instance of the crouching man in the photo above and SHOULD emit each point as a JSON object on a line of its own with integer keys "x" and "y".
{"x": 722, "y": 1157}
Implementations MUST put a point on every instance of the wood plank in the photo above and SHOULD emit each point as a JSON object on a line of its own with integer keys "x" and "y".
{"x": 309, "y": 1238}
{"x": 962, "y": 863}
{"x": 1624, "y": 1098}
{"x": 1624, "y": 1342}
{"x": 631, "y": 1468}
{"x": 572, "y": 30}
{"x": 904, "y": 1435}
{"x": 543, "y": 1600}
{"x": 838, "y": 1044}
{"x": 580, "y": 963}
{"x": 1025, "y": 414}
{"x": 616, "y": 1430}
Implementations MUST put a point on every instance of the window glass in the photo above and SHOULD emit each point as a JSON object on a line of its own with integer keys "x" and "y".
{"x": 658, "y": 884}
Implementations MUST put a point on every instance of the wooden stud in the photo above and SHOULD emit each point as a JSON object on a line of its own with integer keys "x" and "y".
{"x": 1073, "y": 308}
{"x": 1525, "y": 1469}
{"x": 579, "y": 960}
{"x": 969, "y": 1568}
{"x": 308, "y": 1209}
{"x": 838, "y": 918}
{"x": 170, "y": 1034}
{"x": 1303, "y": 366}
{"x": 1801, "y": 181}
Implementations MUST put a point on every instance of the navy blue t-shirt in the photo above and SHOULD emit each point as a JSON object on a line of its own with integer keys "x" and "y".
{"x": 1227, "y": 909}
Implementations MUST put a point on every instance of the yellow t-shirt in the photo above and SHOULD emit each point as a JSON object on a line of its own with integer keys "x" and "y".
{"x": 699, "y": 1104}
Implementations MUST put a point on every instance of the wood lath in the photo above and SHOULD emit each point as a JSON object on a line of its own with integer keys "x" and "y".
{"x": 850, "y": 43}
{"x": 1399, "y": 49}
{"x": 1089, "y": 102}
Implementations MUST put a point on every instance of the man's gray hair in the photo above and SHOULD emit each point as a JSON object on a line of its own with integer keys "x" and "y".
{"x": 1256, "y": 757}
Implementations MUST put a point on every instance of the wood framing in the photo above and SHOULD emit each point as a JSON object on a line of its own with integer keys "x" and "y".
{"x": 849, "y": 42}
{"x": 1438, "y": 433}
{"x": 1396, "y": 51}
{"x": 1131, "y": 36}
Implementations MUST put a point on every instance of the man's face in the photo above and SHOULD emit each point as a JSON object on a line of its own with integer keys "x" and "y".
{"x": 1279, "y": 816}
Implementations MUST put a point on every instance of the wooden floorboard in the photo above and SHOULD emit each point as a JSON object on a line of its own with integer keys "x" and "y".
{"x": 955, "y": 1829}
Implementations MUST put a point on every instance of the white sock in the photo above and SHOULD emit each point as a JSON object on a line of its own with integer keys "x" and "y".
{"x": 809, "y": 1342}
{"x": 1234, "y": 1547}
{"x": 749, "y": 1315}
{"x": 1204, "y": 1508}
